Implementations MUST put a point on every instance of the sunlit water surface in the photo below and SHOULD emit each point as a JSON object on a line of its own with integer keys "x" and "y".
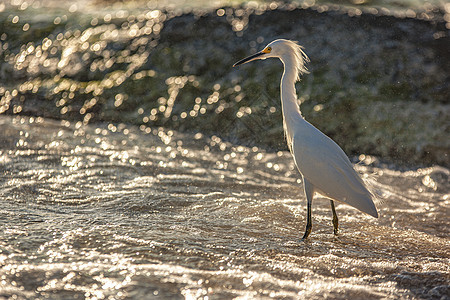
{"x": 112, "y": 210}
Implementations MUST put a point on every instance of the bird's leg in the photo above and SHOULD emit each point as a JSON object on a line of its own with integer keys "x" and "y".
{"x": 309, "y": 192}
{"x": 335, "y": 218}
{"x": 308, "y": 222}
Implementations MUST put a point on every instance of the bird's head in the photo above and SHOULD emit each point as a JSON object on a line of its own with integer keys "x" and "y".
{"x": 287, "y": 51}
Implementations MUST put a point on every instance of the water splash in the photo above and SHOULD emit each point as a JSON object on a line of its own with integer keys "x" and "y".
{"x": 117, "y": 210}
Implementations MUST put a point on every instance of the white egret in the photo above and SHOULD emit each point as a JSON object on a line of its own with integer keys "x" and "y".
{"x": 322, "y": 163}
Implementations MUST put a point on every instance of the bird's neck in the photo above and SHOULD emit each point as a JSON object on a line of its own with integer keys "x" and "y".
{"x": 288, "y": 93}
{"x": 290, "y": 109}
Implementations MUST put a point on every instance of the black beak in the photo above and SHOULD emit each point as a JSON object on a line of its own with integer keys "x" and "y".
{"x": 248, "y": 59}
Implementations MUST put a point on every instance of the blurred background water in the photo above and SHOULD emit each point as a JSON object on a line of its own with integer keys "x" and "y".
{"x": 136, "y": 163}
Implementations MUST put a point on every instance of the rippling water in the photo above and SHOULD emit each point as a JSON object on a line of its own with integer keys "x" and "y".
{"x": 93, "y": 211}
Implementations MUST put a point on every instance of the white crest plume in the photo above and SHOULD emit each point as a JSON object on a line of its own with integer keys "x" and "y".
{"x": 300, "y": 57}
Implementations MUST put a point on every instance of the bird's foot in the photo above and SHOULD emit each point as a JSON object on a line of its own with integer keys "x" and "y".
{"x": 307, "y": 232}
{"x": 335, "y": 226}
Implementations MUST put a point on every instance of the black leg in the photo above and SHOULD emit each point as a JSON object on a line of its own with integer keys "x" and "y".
{"x": 309, "y": 192}
{"x": 335, "y": 218}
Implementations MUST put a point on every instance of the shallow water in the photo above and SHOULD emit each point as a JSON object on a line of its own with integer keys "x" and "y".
{"x": 110, "y": 210}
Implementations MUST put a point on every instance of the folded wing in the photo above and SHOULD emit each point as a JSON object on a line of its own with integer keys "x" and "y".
{"x": 328, "y": 169}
